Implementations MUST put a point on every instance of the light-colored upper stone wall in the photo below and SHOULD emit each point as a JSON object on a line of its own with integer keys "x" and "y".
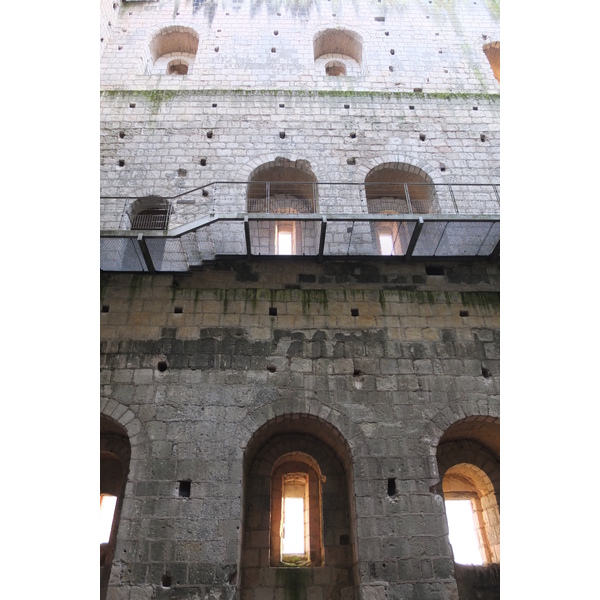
{"x": 436, "y": 46}
{"x": 164, "y": 139}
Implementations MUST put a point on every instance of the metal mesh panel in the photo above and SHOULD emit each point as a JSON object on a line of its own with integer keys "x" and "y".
{"x": 167, "y": 254}
{"x": 271, "y": 238}
{"x": 359, "y": 238}
{"x": 457, "y": 239}
{"x": 121, "y": 254}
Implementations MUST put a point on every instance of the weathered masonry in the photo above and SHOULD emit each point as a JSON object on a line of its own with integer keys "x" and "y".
{"x": 299, "y": 299}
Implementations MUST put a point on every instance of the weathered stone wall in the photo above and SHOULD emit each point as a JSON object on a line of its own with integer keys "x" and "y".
{"x": 163, "y": 142}
{"x": 371, "y": 363}
{"x": 435, "y": 46}
{"x": 380, "y": 379}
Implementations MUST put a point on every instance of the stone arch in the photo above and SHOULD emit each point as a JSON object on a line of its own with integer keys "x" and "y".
{"x": 149, "y": 212}
{"x": 288, "y": 187}
{"x": 405, "y": 163}
{"x": 338, "y": 50}
{"x": 172, "y": 45}
{"x": 312, "y": 445}
{"x": 125, "y": 418}
{"x": 492, "y": 53}
{"x": 463, "y": 442}
{"x": 115, "y": 455}
{"x": 479, "y": 410}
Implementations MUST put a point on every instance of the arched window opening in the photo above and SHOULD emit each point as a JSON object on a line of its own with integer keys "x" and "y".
{"x": 298, "y": 474}
{"x": 492, "y": 52}
{"x": 115, "y": 452}
{"x": 177, "y": 67}
{"x": 469, "y": 465}
{"x": 296, "y": 526}
{"x": 173, "y": 50}
{"x": 149, "y": 213}
{"x": 108, "y": 504}
{"x": 469, "y": 492}
{"x": 338, "y": 41}
{"x": 393, "y": 189}
{"x": 335, "y": 68}
{"x": 283, "y": 187}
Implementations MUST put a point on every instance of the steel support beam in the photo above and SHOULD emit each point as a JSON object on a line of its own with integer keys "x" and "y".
{"x": 146, "y": 253}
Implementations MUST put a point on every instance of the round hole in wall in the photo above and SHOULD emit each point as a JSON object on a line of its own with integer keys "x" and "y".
{"x": 121, "y": 134}
{"x": 162, "y": 366}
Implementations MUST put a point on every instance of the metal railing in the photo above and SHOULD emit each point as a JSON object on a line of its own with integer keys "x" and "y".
{"x": 327, "y": 198}
{"x": 401, "y": 220}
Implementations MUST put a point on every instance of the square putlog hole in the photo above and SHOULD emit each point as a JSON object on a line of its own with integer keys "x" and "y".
{"x": 185, "y": 489}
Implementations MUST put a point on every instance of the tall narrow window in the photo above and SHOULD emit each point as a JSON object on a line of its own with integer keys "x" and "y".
{"x": 108, "y": 504}
{"x": 285, "y": 238}
{"x": 294, "y": 522}
{"x": 296, "y": 528}
{"x": 463, "y": 532}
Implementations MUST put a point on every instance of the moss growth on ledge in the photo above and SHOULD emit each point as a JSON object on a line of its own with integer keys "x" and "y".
{"x": 155, "y": 97}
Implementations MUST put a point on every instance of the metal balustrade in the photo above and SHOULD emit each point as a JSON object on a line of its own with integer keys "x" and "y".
{"x": 359, "y": 220}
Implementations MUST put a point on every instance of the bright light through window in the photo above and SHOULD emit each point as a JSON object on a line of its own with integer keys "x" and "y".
{"x": 284, "y": 242}
{"x": 293, "y": 526}
{"x": 107, "y": 513}
{"x": 386, "y": 243}
{"x": 463, "y": 536}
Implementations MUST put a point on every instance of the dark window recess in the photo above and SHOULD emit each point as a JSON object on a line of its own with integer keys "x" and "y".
{"x": 105, "y": 308}
{"x": 464, "y": 313}
{"x": 185, "y": 488}
{"x": 391, "y": 486}
{"x": 344, "y": 539}
{"x": 272, "y": 311}
{"x": 354, "y": 312}
{"x": 151, "y": 218}
{"x": 434, "y": 270}
{"x": 178, "y": 310}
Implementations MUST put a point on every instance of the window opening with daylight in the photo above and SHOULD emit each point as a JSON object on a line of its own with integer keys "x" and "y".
{"x": 285, "y": 238}
{"x": 108, "y": 504}
{"x": 462, "y": 532}
{"x": 296, "y": 522}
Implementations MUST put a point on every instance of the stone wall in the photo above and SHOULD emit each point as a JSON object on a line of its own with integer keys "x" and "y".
{"x": 199, "y": 365}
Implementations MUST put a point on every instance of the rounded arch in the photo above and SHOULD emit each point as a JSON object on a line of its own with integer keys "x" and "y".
{"x": 465, "y": 438}
{"x": 338, "y": 41}
{"x": 115, "y": 455}
{"x": 300, "y": 449}
{"x": 492, "y": 53}
{"x": 399, "y": 188}
{"x": 126, "y": 422}
{"x": 300, "y": 424}
{"x": 282, "y": 186}
{"x": 175, "y": 46}
{"x": 173, "y": 39}
{"x": 149, "y": 212}
{"x": 480, "y": 411}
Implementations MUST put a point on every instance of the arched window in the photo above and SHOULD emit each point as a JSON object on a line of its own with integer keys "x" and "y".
{"x": 298, "y": 511}
{"x": 335, "y": 68}
{"x": 296, "y": 531}
{"x": 340, "y": 50}
{"x": 473, "y": 515}
{"x": 115, "y": 453}
{"x": 151, "y": 212}
{"x": 492, "y": 52}
{"x": 283, "y": 187}
{"x": 396, "y": 189}
{"x": 173, "y": 50}
{"x": 469, "y": 465}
